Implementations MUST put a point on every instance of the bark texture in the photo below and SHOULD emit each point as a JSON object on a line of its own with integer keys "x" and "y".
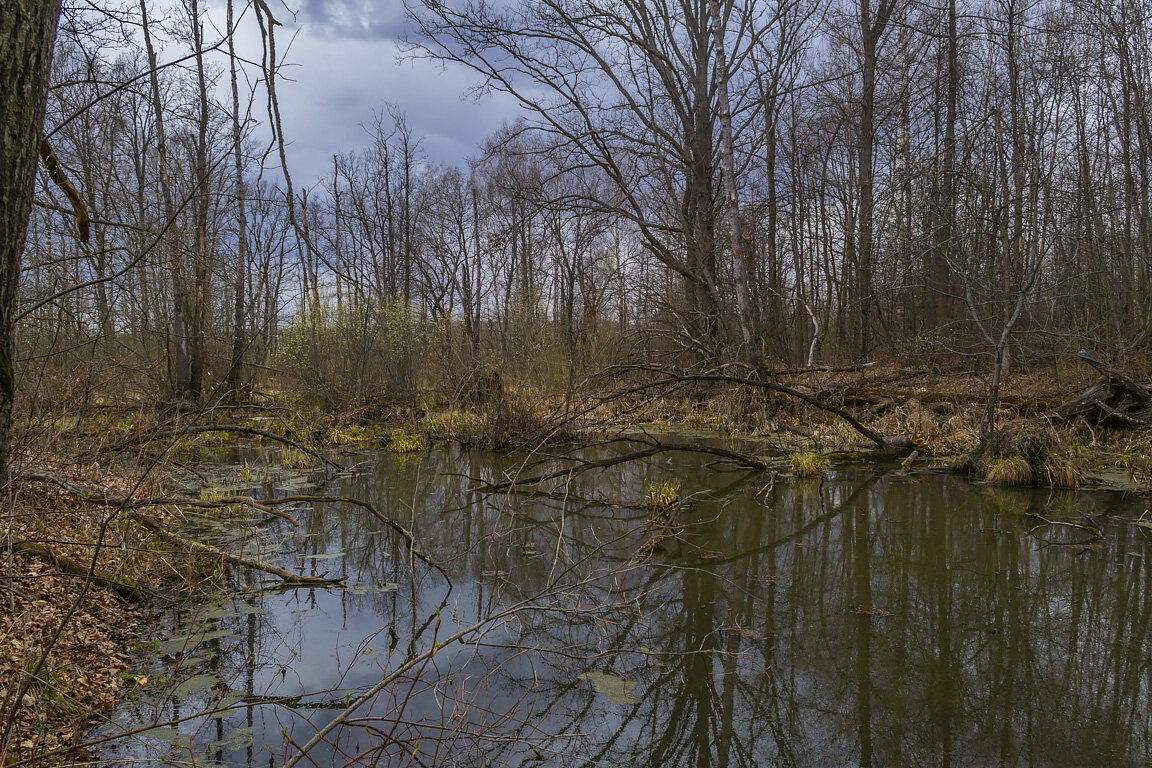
{"x": 27, "y": 32}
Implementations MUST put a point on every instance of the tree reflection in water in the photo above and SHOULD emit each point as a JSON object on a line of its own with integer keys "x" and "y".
{"x": 865, "y": 620}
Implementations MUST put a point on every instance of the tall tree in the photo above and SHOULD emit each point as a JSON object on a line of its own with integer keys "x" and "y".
{"x": 873, "y": 22}
{"x": 27, "y": 33}
{"x": 239, "y": 341}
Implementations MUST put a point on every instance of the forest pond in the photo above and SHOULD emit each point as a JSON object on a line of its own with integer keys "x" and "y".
{"x": 872, "y": 618}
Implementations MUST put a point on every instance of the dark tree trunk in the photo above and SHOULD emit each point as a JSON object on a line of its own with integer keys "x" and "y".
{"x": 27, "y": 33}
{"x": 239, "y": 341}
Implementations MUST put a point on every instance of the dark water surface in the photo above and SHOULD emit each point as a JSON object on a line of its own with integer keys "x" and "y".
{"x": 871, "y": 619}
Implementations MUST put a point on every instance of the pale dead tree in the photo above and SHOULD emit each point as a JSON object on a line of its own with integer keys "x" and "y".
{"x": 741, "y": 263}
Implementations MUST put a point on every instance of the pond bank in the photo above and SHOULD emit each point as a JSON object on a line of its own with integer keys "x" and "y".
{"x": 86, "y": 673}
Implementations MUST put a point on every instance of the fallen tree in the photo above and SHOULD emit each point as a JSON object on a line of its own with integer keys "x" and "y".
{"x": 653, "y": 448}
{"x": 105, "y": 497}
{"x": 1116, "y": 399}
{"x": 65, "y": 564}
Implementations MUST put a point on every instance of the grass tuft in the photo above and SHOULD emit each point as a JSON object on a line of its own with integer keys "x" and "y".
{"x": 294, "y": 458}
{"x": 808, "y": 464}
{"x": 1010, "y": 470}
{"x": 1062, "y": 472}
{"x": 449, "y": 424}
{"x": 403, "y": 442}
{"x": 660, "y": 494}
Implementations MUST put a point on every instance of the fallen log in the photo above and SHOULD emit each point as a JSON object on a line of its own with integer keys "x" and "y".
{"x": 286, "y": 576}
{"x": 585, "y": 465}
{"x": 1116, "y": 399}
{"x": 121, "y": 585}
{"x": 106, "y": 498}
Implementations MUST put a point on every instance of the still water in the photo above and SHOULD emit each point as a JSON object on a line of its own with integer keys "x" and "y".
{"x": 875, "y": 618}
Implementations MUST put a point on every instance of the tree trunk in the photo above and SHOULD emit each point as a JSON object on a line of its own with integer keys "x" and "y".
{"x": 939, "y": 303}
{"x": 741, "y": 271}
{"x": 239, "y": 341}
{"x": 865, "y": 201}
{"x": 179, "y": 343}
{"x": 195, "y": 334}
{"x": 27, "y": 33}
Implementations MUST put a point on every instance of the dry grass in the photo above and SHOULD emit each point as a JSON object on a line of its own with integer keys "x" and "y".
{"x": 449, "y": 425}
{"x": 1061, "y": 472}
{"x": 362, "y": 437}
{"x": 959, "y": 433}
{"x": 910, "y": 418}
{"x": 1027, "y": 452}
{"x": 1010, "y": 470}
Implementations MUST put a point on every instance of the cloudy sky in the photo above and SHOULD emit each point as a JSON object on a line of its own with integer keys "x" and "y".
{"x": 345, "y": 63}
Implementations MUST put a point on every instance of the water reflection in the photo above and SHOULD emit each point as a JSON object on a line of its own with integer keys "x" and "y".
{"x": 867, "y": 620}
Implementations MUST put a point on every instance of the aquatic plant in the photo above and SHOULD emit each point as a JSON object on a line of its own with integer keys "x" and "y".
{"x": 294, "y": 458}
{"x": 211, "y": 494}
{"x": 659, "y": 494}
{"x": 808, "y": 464}
{"x": 406, "y": 442}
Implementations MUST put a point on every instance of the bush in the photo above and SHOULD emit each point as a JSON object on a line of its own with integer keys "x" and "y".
{"x": 358, "y": 355}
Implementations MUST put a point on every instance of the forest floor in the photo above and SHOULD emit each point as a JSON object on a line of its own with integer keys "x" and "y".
{"x": 50, "y": 532}
{"x": 86, "y": 669}
{"x": 81, "y": 578}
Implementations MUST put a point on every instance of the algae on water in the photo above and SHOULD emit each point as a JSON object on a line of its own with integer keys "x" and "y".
{"x": 616, "y": 689}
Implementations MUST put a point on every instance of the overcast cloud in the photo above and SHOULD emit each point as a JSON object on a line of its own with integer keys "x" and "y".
{"x": 344, "y": 64}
